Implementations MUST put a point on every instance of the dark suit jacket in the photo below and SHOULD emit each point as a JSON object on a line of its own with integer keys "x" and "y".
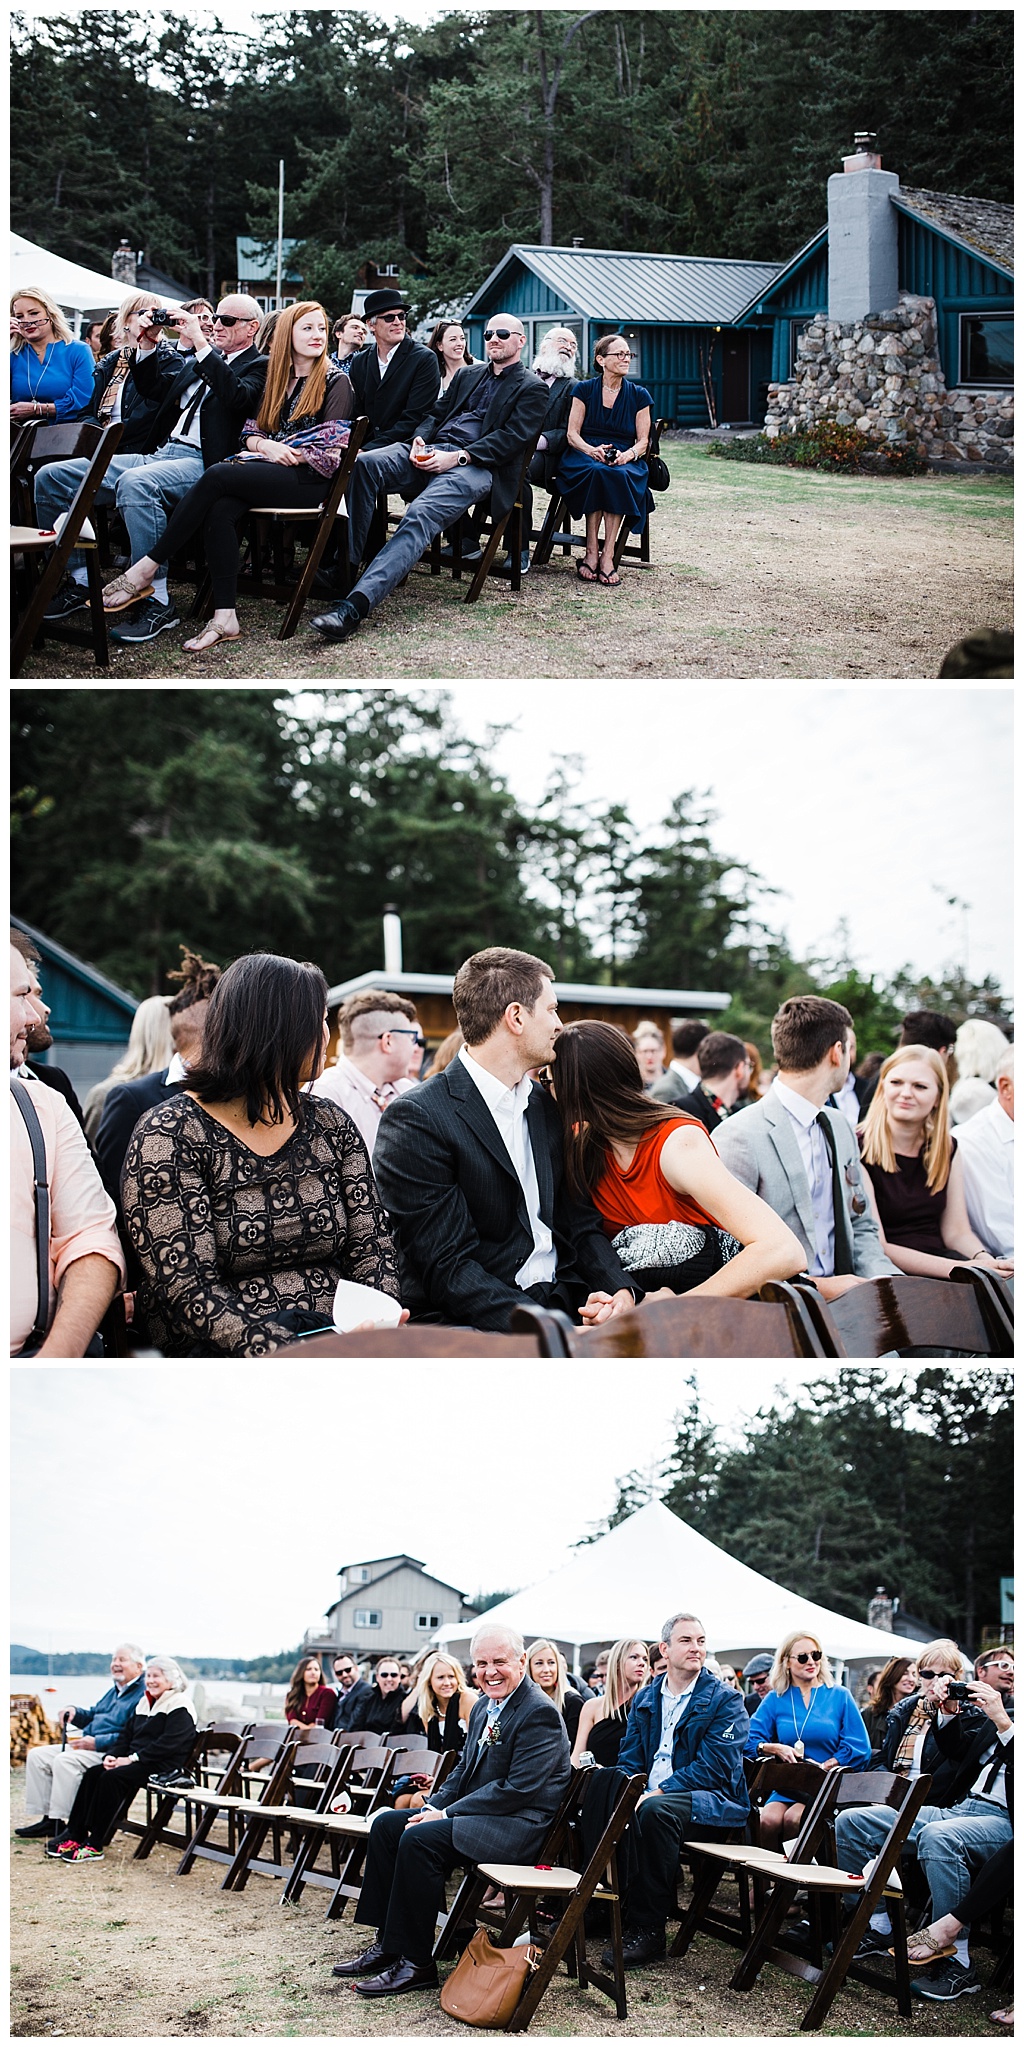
{"x": 968, "y": 1754}
{"x": 55, "y": 1077}
{"x": 555, "y": 426}
{"x": 236, "y": 387}
{"x": 459, "y": 1213}
{"x": 502, "y": 1798}
{"x": 395, "y": 406}
{"x": 138, "y": 410}
{"x": 511, "y": 424}
{"x": 347, "y": 1710}
{"x": 696, "y": 1104}
{"x": 121, "y": 1111}
{"x": 671, "y": 1088}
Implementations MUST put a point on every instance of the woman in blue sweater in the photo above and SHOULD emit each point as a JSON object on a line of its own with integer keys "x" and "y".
{"x": 51, "y": 374}
{"x": 804, "y": 1717}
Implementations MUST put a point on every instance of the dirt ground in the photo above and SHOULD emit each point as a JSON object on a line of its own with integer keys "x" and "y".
{"x": 756, "y": 573}
{"x": 124, "y": 1949}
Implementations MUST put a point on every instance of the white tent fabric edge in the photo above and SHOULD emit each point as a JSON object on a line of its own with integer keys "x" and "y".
{"x": 76, "y": 289}
{"x": 652, "y": 1565}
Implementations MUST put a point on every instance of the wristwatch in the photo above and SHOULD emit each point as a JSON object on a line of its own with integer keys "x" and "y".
{"x": 463, "y": 459}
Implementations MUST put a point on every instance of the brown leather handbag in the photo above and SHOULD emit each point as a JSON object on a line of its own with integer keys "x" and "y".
{"x": 487, "y": 1983}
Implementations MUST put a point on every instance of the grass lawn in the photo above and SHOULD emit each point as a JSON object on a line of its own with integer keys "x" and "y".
{"x": 756, "y": 573}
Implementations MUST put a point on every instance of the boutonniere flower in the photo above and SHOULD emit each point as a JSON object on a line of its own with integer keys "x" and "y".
{"x": 491, "y": 1737}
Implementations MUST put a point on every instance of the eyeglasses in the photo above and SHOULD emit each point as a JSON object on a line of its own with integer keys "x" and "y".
{"x": 232, "y": 319}
{"x": 760, "y": 1679}
{"x": 1000, "y": 1664}
{"x": 399, "y": 1031}
{"x": 618, "y": 355}
{"x": 546, "y": 1077}
{"x": 928, "y": 1676}
{"x": 347, "y": 1672}
{"x": 808, "y": 1656}
{"x": 501, "y": 333}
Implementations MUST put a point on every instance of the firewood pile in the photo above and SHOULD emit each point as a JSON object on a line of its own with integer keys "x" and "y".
{"x": 30, "y": 1727}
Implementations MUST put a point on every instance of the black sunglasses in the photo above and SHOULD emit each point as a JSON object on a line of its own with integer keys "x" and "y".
{"x": 929, "y": 1676}
{"x": 809, "y": 1656}
{"x": 500, "y": 333}
{"x": 232, "y": 319}
{"x": 399, "y": 1031}
{"x": 389, "y": 316}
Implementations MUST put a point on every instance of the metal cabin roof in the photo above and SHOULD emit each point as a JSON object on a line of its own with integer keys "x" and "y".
{"x": 567, "y": 991}
{"x": 783, "y": 273}
{"x": 79, "y": 970}
{"x": 660, "y": 291}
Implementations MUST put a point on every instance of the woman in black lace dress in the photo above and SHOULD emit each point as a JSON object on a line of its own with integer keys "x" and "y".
{"x": 246, "y": 1198}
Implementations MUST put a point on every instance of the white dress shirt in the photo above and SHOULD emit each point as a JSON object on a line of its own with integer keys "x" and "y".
{"x": 362, "y": 1099}
{"x": 685, "y": 1074}
{"x": 507, "y": 1106}
{"x": 817, "y": 1165}
{"x": 845, "y": 1098}
{"x": 673, "y": 1706}
{"x": 384, "y": 361}
{"x": 984, "y": 1146}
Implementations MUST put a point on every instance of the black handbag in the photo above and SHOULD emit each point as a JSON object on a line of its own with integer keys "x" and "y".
{"x": 657, "y": 473}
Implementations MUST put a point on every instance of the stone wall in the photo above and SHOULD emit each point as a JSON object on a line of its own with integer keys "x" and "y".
{"x": 883, "y": 375}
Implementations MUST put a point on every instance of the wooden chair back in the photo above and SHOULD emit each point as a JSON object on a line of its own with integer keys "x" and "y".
{"x": 404, "y": 1741}
{"x": 468, "y": 1902}
{"x": 422, "y": 1340}
{"x": 100, "y": 444}
{"x": 317, "y": 1771}
{"x": 914, "y": 1316}
{"x": 702, "y": 1326}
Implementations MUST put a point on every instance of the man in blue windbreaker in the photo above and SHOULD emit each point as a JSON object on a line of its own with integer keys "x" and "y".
{"x": 53, "y": 1775}
{"x": 686, "y": 1733}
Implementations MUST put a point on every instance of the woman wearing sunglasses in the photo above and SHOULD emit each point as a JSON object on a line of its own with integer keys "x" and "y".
{"x": 805, "y": 1717}
{"x": 915, "y": 1739}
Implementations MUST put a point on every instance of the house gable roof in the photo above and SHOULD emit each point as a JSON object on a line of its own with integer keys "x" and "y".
{"x": 648, "y": 290}
{"x": 783, "y": 274}
{"x": 355, "y": 1591}
{"x": 79, "y": 970}
{"x": 982, "y": 226}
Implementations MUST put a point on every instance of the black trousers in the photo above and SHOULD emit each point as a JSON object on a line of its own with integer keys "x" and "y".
{"x": 535, "y": 474}
{"x": 217, "y": 502}
{"x": 660, "y": 1825}
{"x": 404, "y": 1885}
{"x": 101, "y": 1798}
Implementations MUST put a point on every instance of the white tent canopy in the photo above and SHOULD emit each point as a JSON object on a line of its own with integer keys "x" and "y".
{"x": 653, "y": 1565}
{"x": 76, "y": 289}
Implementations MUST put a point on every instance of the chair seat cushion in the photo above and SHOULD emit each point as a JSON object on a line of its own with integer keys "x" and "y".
{"x": 522, "y": 1876}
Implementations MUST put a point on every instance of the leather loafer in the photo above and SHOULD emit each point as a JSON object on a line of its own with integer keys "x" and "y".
{"x": 369, "y": 1963}
{"x": 401, "y": 1976}
{"x": 644, "y": 1944}
{"x": 43, "y": 1830}
{"x": 340, "y": 624}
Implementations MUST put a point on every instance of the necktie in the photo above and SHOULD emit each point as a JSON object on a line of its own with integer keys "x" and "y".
{"x": 842, "y": 1253}
{"x": 185, "y": 425}
{"x": 1000, "y": 1759}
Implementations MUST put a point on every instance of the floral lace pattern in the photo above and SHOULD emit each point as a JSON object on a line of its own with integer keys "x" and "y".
{"x": 238, "y": 1251}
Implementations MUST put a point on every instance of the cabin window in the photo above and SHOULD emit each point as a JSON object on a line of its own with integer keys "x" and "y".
{"x": 542, "y": 327}
{"x": 367, "y": 1617}
{"x": 359, "y": 1576}
{"x": 986, "y": 348}
{"x": 427, "y": 1622}
{"x": 796, "y": 329}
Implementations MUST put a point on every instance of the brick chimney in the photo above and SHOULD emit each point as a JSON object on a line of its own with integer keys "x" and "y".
{"x": 123, "y": 263}
{"x": 863, "y": 269}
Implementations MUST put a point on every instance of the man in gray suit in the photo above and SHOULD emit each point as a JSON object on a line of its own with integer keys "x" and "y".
{"x": 800, "y": 1157}
{"x": 683, "y": 1073}
{"x": 498, "y": 1801}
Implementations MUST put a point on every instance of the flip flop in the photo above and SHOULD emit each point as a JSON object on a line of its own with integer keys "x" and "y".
{"x": 607, "y": 582}
{"x": 585, "y": 573}
{"x": 937, "y": 1950}
{"x": 190, "y": 647}
{"x": 124, "y": 594}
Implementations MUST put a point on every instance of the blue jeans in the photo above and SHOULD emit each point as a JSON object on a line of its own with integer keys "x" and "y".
{"x": 145, "y": 488}
{"x": 951, "y": 1841}
{"x": 441, "y": 504}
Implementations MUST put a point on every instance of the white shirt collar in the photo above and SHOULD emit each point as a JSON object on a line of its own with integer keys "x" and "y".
{"x": 494, "y": 1091}
{"x": 798, "y": 1105}
{"x": 176, "y": 1071}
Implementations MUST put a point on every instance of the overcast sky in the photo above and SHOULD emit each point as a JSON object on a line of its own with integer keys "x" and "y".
{"x": 130, "y": 1485}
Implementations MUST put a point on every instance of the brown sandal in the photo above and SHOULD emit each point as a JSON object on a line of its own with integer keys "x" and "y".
{"x": 937, "y": 1949}
{"x": 124, "y": 593}
{"x": 189, "y": 646}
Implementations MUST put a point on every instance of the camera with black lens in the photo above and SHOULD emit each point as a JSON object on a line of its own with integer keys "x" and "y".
{"x": 160, "y": 317}
{"x": 958, "y": 1691}
{"x": 610, "y": 456}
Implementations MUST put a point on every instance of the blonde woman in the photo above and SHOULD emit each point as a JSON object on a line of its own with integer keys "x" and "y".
{"x": 602, "y": 1722}
{"x": 804, "y": 1717}
{"x": 149, "y": 1049}
{"x": 909, "y": 1156}
{"x": 440, "y": 1708}
{"x": 548, "y": 1669}
{"x": 290, "y": 452}
{"x": 51, "y": 372}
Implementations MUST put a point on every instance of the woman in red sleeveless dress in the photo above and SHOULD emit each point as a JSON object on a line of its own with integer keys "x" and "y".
{"x": 676, "y": 1216}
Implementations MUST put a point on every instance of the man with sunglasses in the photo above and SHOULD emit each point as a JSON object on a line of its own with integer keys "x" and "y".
{"x": 377, "y": 1031}
{"x": 394, "y": 380}
{"x": 354, "y": 1694}
{"x": 470, "y": 448}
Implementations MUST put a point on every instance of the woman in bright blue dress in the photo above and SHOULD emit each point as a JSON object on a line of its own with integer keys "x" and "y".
{"x": 804, "y": 1717}
{"x": 51, "y": 374}
{"x": 602, "y": 475}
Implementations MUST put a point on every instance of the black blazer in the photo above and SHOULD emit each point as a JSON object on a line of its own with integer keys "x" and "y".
{"x": 459, "y": 1213}
{"x": 346, "y": 1712}
{"x": 948, "y": 1752}
{"x": 511, "y": 424}
{"x": 696, "y": 1104}
{"x": 394, "y": 407}
{"x": 555, "y": 425}
{"x": 138, "y": 410}
{"x": 236, "y": 387}
{"x": 121, "y": 1111}
{"x": 964, "y": 1748}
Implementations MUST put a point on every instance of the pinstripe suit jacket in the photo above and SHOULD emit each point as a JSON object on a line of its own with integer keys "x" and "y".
{"x": 458, "y": 1210}
{"x": 500, "y": 1799}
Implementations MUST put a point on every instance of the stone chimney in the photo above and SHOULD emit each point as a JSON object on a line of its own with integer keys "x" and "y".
{"x": 863, "y": 269}
{"x": 123, "y": 264}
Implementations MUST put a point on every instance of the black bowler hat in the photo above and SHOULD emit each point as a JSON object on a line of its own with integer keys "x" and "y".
{"x": 389, "y": 301}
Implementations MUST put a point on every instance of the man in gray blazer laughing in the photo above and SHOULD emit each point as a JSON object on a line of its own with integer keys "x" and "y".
{"x": 802, "y": 1158}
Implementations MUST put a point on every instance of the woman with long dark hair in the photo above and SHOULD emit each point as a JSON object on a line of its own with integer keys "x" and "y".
{"x": 896, "y": 1681}
{"x": 676, "y": 1216}
{"x": 246, "y": 1198}
{"x": 448, "y": 342}
{"x": 290, "y": 452}
{"x": 308, "y": 1700}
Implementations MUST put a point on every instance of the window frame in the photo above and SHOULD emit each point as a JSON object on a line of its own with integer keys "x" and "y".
{"x": 969, "y": 383}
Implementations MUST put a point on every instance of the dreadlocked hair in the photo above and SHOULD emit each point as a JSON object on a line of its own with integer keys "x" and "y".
{"x": 198, "y": 979}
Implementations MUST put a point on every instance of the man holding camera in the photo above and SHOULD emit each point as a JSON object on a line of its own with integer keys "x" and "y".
{"x": 202, "y": 403}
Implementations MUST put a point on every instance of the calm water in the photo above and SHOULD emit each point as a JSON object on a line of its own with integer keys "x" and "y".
{"x": 57, "y": 1692}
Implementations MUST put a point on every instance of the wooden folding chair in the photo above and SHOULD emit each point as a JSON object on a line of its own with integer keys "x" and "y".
{"x": 490, "y": 532}
{"x": 404, "y": 1741}
{"x": 468, "y": 1908}
{"x": 915, "y": 1316}
{"x": 45, "y": 559}
{"x": 691, "y": 1326}
{"x": 211, "y": 1756}
{"x": 904, "y": 1800}
{"x": 744, "y": 1859}
{"x": 231, "y": 1801}
{"x": 419, "y": 1340}
{"x": 324, "y": 1768}
{"x": 346, "y": 1833}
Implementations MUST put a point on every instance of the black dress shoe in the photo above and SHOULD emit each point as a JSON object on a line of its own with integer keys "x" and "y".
{"x": 469, "y": 555}
{"x": 646, "y": 1944}
{"x": 401, "y": 1976}
{"x": 340, "y": 624}
{"x": 369, "y": 1963}
{"x": 43, "y": 1830}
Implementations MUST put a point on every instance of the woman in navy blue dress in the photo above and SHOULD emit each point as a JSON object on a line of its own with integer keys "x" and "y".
{"x": 603, "y": 476}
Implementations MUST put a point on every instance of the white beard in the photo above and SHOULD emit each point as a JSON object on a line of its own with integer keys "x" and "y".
{"x": 551, "y": 364}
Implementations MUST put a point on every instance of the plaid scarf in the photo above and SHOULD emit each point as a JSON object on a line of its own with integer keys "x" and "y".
{"x": 921, "y": 1717}
{"x": 109, "y": 398}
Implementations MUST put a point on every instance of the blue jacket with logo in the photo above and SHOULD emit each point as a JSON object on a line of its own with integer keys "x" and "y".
{"x": 105, "y": 1720}
{"x": 707, "y": 1749}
